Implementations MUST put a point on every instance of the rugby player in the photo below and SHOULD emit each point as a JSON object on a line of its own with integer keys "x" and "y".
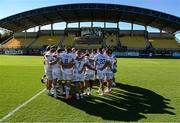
{"x": 67, "y": 67}
{"x": 79, "y": 71}
{"x": 109, "y": 70}
{"x": 56, "y": 71}
{"x": 48, "y": 68}
{"x": 89, "y": 74}
{"x": 59, "y": 77}
{"x": 100, "y": 65}
{"x": 43, "y": 78}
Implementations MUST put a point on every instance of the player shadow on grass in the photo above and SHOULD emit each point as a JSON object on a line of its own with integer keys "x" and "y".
{"x": 126, "y": 103}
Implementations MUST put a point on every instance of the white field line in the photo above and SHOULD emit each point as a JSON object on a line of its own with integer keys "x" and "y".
{"x": 20, "y": 106}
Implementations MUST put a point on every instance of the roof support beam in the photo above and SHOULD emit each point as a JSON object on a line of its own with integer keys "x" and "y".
{"x": 62, "y": 17}
{"x": 66, "y": 24}
{"x": 134, "y": 19}
{"x": 91, "y": 24}
{"x": 79, "y": 24}
{"x": 92, "y": 16}
{"x": 145, "y": 31}
{"x": 165, "y": 25}
{"x": 104, "y": 24}
{"x": 118, "y": 28}
{"x": 39, "y": 30}
{"x": 47, "y": 18}
{"x": 52, "y": 32}
{"x": 76, "y": 14}
{"x": 132, "y": 26}
{"x": 119, "y": 17}
{"x": 149, "y": 22}
{"x": 25, "y": 34}
{"x": 21, "y": 25}
{"x": 33, "y": 21}
{"x": 160, "y": 32}
{"x": 6, "y": 30}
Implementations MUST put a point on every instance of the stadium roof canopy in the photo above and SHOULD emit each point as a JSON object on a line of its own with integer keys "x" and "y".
{"x": 87, "y": 12}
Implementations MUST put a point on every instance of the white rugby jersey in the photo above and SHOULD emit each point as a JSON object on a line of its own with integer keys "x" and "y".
{"x": 73, "y": 55}
{"x": 55, "y": 57}
{"x": 66, "y": 58}
{"x": 91, "y": 64}
{"x": 112, "y": 61}
{"x": 100, "y": 60}
{"x": 92, "y": 55}
{"x": 48, "y": 58}
{"x": 79, "y": 65}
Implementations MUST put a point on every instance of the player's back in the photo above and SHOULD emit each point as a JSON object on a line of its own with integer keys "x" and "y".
{"x": 55, "y": 58}
{"x": 100, "y": 60}
{"x": 66, "y": 58}
{"x": 90, "y": 63}
{"x": 111, "y": 60}
{"x": 79, "y": 63}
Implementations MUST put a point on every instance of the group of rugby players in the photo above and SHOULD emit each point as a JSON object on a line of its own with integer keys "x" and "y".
{"x": 64, "y": 67}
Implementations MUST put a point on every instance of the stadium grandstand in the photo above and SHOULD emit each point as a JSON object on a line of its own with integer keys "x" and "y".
{"x": 123, "y": 42}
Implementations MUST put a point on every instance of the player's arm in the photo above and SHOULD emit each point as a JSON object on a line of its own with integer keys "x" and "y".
{"x": 67, "y": 65}
{"x": 107, "y": 64}
{"x": 53, "y": 62}
{"x": 89, "y": 67}
{"x": 95, "y": 67}
{"x": 47, "y": 59}
{"x": 83, "y": 68}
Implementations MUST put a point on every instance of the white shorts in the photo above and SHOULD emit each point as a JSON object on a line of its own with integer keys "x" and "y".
{"x": 49, "y": 74}
{"x": 67, "y": 74}
{"x": 101, "y": 74}
{"x": 56, "y": 73}
{"x": 109, "y": 75}
{"x": 79, "y": 77}
{"x": 89, "y": 75}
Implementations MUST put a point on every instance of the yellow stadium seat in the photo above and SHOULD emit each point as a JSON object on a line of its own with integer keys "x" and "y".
{"x": 69, "y": 41}
{"x": 138, "y": 42}
{"x": 165, "y": 43}
{"x": 111, "y": 40}
{"x": 18, "y": 43}
{"x": 46, "y": 40}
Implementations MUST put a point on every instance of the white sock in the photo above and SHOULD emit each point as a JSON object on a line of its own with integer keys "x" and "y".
{"x": 47, "y": 91}
{"x": 61, "y": 88}
{"x": 85, "y": 91}
{"x": 54, "y": 87}
{"x": 67, "y": 90}
{"x": 77, "y": 95}
{"x": 81, "y": 95}
{"x": 88, "y": 90}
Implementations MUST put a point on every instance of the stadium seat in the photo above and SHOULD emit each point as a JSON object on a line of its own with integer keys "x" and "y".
{"x": 69, "y": 41}
{"x": 46, "y": 40}
{"x": 18, "y": 43}
{"x": 134, "y": 42}
{"x": 165, "y": 44}
{"x": 111, "y": 40}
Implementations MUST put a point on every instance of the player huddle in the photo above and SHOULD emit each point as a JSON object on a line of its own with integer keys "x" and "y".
{"x": 64, "y": 67}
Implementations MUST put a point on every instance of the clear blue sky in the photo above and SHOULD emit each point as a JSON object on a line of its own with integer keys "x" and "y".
{"x": 10, "y": 7}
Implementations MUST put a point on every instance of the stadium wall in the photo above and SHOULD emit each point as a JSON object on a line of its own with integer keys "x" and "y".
{"x": 27, "y": 35}
{"x": 161, "y": 35}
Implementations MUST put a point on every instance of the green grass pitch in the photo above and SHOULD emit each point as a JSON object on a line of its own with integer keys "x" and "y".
{"x": 147, "y": 90}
